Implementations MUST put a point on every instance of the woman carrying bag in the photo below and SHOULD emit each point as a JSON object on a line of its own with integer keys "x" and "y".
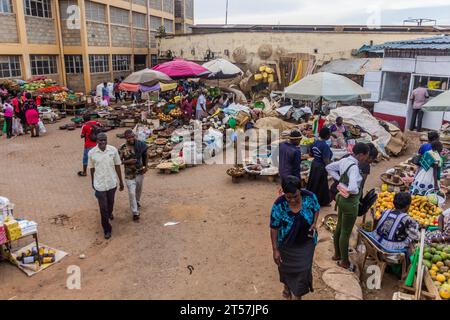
{"x": 347, "y": 200}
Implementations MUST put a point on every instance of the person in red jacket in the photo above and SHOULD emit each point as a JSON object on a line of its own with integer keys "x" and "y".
{"x": 86, "y": 131}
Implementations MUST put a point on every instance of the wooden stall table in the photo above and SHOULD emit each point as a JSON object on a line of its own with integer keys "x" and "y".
{"x": 72, "y": 107}
{"x": 8, "y": 247}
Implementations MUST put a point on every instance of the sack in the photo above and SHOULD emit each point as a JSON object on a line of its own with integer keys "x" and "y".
{"x": 42, "y": 128}
{"x": 416, "y": 159}
{"x": 95, "y": 130}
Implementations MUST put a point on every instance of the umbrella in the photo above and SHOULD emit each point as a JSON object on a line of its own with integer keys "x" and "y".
{"x": 222, "y": 69}
{"x": 182, "y": 69}
{"x": 440, "y": 103}
{"x": 147, "y": 77}
{"x": 138, "y": 87}
{"x": 328, "y": 86}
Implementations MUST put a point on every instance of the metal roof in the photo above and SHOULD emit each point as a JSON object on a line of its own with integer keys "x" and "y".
{"x": 353, "y": 66}
{"x": 434, "y": 43}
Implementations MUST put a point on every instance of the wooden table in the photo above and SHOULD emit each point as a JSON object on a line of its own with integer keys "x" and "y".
{"x": 8, "y": 246}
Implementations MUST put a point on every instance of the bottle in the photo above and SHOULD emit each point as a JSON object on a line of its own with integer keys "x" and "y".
{"x": 29, "y": 260}
{"x": 46, "y": 260}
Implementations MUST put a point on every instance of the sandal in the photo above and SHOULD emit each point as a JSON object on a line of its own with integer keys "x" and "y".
{"x": 287, "y": 295}
{"x": 81, "y": 174}
{"x": 351, "y": 268}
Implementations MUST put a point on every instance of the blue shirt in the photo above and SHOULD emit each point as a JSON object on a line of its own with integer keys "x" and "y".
{"x": 424, "y": 148}
{"x": 320, "y": 151}
{"x": 105, "y": 91}
{"x": 290, "y": 159}
{"x": 283, "y": 219}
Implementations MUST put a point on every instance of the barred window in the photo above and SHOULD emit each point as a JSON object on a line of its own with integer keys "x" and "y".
{"x": 153, "y": 42}
{"x": 38, "y": 8}
{"x": 168, "y": 25}
{"x": 156, "y": 4}
{"x": 139, "y": 20}
{"x": 168, "y": 6}
{"x": 119, "y": 16}
{"x": 155, "y": 23}
{"x": 121, "y": 62}
{"x": 99, "y": 63}
{"x": 10, "y": 67}
{"x": 74, "y": 64}
{"x": 95, "y": 11}
{"x": 189, "y": 9}
{"x": 63, "y": 6}
{"x": 5, "y": 6}
{"x": 41, "y": 65}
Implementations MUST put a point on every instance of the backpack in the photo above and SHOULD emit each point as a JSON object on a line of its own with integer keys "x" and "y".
{"x": 95, "y": 130}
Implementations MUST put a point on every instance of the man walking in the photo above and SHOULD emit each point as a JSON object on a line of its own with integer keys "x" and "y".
{"x": 89, "y": 133}
{"x": 104, "y": 162}
{"x": 418, "y": 97}
{"x": 134, "y": 158}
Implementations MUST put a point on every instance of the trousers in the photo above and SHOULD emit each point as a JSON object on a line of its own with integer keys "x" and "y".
{"x": 417, "y": 118}
{"x": 134, "y": 192}
{"x": 106, "y": 204}
{"x": 347, "y": 214}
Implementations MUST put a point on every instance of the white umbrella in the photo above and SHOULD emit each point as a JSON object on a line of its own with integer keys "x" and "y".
{"x": 222, "y": 69}
{"x": 147, "y": 77}
{"x": 328, "y": 86}
{"x": 440, "y": 103}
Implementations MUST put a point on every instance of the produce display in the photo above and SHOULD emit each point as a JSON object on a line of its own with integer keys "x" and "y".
{"x": 421, "y": 209}
{"x": 37, "y": 84}
{"x": 266, "y": 75}
{"x": 176, "y": 113}
{"x": 236, "y": 172}
{"x": 51, "y": 89}
{"x": 436, "y": 257}
{"x": 60, "y": 97}
{"x": 165, "y": 117}
{"x": 307, "y": 141}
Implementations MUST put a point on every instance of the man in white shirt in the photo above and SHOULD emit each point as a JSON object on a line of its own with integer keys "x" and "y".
{"x": 200, "y": 110}
{"x": 346, "y": 171}
{"x": 104, "y": 163}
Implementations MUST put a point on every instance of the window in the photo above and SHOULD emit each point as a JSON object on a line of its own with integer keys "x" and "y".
{"x": 119, "y": 16}
{"x": 63, "y": 6}
{"x": 121, "y": 62}
{"x": 435, "y": 85}
{"x": 10, "y": 67}
{"x": 153, "y": 42}
{"x": 74, "y": 64}
{"x": 154, "y": 59}
{"x": 5, "y": 6}
{"x": 155, "y": 23}
{"x": 156, "y": 4}
{"x": 396, "y": 87}
{"x": 43, "y": 65}
{"x": 138, "y": 20}
{"x": 38, "y": 8}
{"x": 179, "y": 27}
{"x": 168, "y": 6}
{"x": 189, "y": 9}
{"x": 98, "y": 63}
{"x": 95, "y": 11}
{"x": 168, "y": 25}
{"x": 179, "y": 8}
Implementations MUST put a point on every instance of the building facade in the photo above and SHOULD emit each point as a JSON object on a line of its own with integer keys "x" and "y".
{"x": 81, "y": 43}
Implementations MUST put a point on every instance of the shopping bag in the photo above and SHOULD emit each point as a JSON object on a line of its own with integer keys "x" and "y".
{"x": 41, "y": 127}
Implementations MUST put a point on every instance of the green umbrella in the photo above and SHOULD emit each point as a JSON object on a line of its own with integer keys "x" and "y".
{"x": 440, "y": 103}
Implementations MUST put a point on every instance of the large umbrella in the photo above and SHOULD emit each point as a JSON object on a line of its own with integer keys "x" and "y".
{"x": 147, "y": 77}
{"x": 440, "y": 103}
{"x": 222, "y": 69}
{"x": 182, "y": 69}
{"x": 328, "y": 86}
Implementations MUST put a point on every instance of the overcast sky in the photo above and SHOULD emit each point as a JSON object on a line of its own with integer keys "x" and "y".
{"x": 362, "y": 12}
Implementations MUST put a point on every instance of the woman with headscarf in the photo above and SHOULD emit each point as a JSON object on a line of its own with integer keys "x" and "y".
{"x": 294, "y": 237}
{"x": 430, "y": 170}
{"x": 32, "y": 115}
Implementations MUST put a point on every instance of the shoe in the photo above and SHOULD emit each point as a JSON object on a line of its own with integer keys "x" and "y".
{"x": 111, "y": 217}
{"x": 139, "y": 205}
{"x": 136, "y": 217}
{"x": 108, "y": 235}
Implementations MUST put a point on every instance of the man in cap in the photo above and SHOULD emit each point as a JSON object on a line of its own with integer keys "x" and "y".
{"x": 290, "y": 157}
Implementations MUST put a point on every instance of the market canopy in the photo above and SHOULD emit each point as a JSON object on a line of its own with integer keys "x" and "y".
{"x": 182, "y": 69}
{"x": 440, "y": 103}
{"x": 222, "y": 69}
{"x": 147, "y": 77}
{"x": 329, "y": 86}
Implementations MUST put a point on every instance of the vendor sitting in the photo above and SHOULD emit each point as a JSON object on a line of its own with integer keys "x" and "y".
{"x": 442, "y": 235}
{"x": 339, "y": 134}
{"x": 396, "y": 230}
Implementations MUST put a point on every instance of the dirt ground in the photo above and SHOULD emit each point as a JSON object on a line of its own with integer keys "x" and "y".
{"x": 223, "y": 231}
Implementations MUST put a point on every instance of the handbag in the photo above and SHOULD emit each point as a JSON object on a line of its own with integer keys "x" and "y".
{"x": 416, "y": 159}
{"x": 367, "y": 202}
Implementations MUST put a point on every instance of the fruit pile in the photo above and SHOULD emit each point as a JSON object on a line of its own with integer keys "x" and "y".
{"x": 165, "y": 117}
{"x": 37, "y": 84}
{"x": 176, "y": 113}
{"x": 436, "y": 258}
{"x": 421, "y": 209}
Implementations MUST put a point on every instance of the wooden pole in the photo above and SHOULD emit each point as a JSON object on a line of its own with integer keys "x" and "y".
{"x": 420, "y": 268}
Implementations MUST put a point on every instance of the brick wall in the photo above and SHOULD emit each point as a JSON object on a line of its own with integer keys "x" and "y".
{"x": 98, "y": 78}
{"x": 9, "y": 28}
{"x": 75, "y": 82}
{"x": 70, "y": 37}
{"x": 141, "y": 2}
{"x": 40, "y": 30}
{"x": 120, "y": 36}
{"x": 97, "y": 33}
{"x": 140, "y": 38}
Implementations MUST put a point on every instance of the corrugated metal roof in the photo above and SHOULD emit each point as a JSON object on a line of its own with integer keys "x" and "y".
{"x": 353, "y": 66}
{"x": 433, "y": 43}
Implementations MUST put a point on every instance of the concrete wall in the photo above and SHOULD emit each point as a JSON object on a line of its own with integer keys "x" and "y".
{"x": 141, "y": 2}
{"x": 40, "y": 30}
{"x": 433, "y": 66}
{"x": 70, "y": 37}
{"x": 140, "y": 38}
{"x": 120, "y": 36}
{"x": 98, "y": 78}
{"x": 9, "y": 28}
{"x": 98, "y": 34}
{"x": 329, "y": 45}
{"x": 75, "y": 82}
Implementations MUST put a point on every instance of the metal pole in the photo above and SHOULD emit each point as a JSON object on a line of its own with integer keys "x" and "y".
{"x": 226, "y": 14}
